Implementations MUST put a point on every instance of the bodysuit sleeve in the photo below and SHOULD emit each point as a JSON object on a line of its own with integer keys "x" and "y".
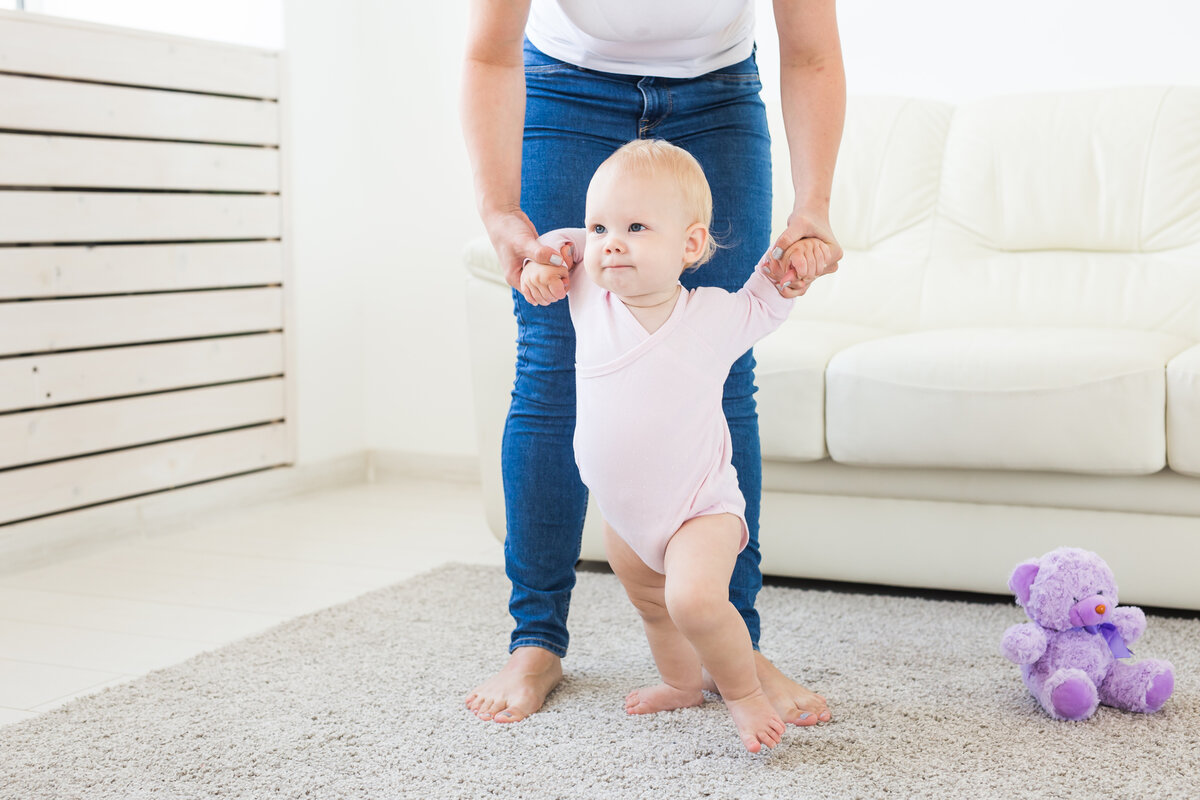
{"x": 736, "y": 321}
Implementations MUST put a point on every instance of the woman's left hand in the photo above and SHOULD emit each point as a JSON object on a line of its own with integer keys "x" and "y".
{"x": 796, "y": 267}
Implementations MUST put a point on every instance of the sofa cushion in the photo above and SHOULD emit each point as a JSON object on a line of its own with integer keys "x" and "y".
{"x": 1074, "y": 400}
{"x": 1072, "y": 209}
{"x": 1183, "y": 412}
{"x": 791, "y": 385}
{"x": 1032, "y": 172}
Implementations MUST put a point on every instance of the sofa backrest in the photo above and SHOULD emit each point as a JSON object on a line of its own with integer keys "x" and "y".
{"x": 1077, "y": 209}
{"x": 884, "y": 196}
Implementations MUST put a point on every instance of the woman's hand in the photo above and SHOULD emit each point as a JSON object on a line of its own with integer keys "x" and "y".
{"x": 516, "y": 243}
{"x": 784, "y": 263}
{"x": 809, "y": 251}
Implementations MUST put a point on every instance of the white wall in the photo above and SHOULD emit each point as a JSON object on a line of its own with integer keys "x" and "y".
{"x": 417, "y": 387}
{"x": 329, "y": 191}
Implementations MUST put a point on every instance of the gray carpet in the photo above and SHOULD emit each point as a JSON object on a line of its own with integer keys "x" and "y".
{"x": 364, "y": 701}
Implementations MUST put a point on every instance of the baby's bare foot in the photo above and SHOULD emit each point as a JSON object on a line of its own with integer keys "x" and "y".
{"x": 652, "y": 699}
{"x": 756, "y": 720}
{"x": 519, "y": 689}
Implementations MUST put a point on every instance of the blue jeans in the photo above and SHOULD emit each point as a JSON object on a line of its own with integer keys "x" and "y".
{"x": 574, "y": 119}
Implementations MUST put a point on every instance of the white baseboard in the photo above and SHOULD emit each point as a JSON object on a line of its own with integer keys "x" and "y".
{"x": 29, "y": 544}
{"x": 389, "y": 465}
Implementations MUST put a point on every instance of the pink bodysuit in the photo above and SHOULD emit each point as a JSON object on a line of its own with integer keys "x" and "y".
{"x": 651, "y": 440}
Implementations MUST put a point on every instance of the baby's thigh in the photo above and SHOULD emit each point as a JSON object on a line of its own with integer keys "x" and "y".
{"x": 643, "y": 585}
{"x": 704, "y": 550}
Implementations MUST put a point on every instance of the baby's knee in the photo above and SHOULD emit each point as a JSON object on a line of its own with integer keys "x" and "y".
{"x": 652, "y": 611}
{"x": 692, "y": 608}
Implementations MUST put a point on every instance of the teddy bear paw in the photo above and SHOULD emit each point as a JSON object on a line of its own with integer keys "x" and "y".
{"x": 1072, "y": 695}
{"x": 1161, "y": 687}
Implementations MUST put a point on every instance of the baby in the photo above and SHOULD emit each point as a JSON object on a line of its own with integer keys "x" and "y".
{"x": 651, "y": 441}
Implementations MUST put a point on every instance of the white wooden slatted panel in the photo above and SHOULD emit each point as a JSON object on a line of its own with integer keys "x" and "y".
{"x": 77, "y": 162}
{"x": 65, "y": 485}
{"x": 44, "y": 326}
{"x": 29, "y": 272}
{"x": 57, "y": 378}
{"x": 55, "y": 106}
{"x": 43, "y": 217}
{"x": 141, "y": 264}
{"x": 57, "y": 433}
{"x": 37, "y": 45}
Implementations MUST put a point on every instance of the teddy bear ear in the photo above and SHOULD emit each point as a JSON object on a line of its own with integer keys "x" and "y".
{"x": 1022, "y": 579}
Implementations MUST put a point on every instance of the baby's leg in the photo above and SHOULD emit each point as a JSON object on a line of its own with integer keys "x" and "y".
{"x": 699, "y": 562}
{"x": 677, "y": 662}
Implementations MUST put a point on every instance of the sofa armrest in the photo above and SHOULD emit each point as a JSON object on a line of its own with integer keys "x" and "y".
{"x": 482, "y": 262}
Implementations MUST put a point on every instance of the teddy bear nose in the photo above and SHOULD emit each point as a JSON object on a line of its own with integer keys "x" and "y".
{"x": 1100, "y": 609}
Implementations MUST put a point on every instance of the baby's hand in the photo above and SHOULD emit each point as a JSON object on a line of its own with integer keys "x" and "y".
{"x": 808, "y": 255}
{"x": 543, "y": 284}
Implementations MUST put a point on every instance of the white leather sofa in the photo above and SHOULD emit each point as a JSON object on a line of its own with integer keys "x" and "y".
{"x": 1007, "y": 361}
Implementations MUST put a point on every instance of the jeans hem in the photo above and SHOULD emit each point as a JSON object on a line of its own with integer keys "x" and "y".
{"x": 558, "y": 650}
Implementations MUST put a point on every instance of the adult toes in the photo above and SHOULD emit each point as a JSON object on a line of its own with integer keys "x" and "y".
{"x": 510, "y": 714}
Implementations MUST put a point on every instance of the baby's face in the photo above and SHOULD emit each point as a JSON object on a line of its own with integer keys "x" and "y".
{"x": 638, "y": 238}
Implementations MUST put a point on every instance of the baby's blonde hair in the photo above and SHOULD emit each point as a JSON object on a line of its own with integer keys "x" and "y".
{"x": 662, "y": 158}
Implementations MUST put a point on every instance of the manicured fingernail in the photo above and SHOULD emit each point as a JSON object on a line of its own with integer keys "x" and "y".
{"x": 556, "y": 260}
{"x": 777, "y": 252}
{"x": 787, "y": 285}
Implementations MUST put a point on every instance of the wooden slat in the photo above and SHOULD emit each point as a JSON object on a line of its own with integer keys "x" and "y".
{"x": 53, "y": 379}
{"x": 54, "y": 433}
{"x": 31, "y": 160}
{"x": 31, "y": 272}
{"x": 50, "y": 106}
{"x": 44, "y": 217}
{"x": 60, "y": 486}
{"x": 46, "y": 325}
{"x": 37, "y": 45}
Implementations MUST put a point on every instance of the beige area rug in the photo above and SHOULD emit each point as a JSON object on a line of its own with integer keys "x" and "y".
{"x": 364, "y": 701}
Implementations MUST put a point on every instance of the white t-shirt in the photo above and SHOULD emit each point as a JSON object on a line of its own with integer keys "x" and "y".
{"x": 665, "y": 38}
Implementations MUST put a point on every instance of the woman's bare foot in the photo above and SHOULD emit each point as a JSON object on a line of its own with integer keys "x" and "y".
{"x": 519, "y": 689}
{"x": 661, "y": 697}
{"x": 794, "y": 704}
{"x": 756, "y": 720}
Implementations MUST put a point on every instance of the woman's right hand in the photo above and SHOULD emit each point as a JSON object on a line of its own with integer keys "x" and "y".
{"x": 516, "y": 242}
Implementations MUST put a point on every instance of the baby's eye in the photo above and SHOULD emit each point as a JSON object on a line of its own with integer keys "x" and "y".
{"x": 598, "y": 229}
{"x": 636, "y": 226}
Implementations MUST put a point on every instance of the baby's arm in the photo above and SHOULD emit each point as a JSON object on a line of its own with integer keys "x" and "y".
{"x": 543, "y": 284}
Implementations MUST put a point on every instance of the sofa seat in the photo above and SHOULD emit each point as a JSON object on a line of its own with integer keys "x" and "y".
{"x": 1183, "y": 412}
{"x": 790, "y": 375}
{"x": 1072, "y": 400}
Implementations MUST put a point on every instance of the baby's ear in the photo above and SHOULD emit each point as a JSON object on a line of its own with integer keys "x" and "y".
{"x": 1022, "y": 579}
{"x": 695, "y": 247}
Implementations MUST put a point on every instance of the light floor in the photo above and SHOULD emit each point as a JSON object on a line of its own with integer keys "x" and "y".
{"x": 79, "y": 626}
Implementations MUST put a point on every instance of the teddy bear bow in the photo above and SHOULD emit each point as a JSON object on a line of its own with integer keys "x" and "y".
{"x": 1116, "y": 642}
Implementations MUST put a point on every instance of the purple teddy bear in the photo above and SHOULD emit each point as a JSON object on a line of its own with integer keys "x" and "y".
{"x": 1068, "y": 653}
